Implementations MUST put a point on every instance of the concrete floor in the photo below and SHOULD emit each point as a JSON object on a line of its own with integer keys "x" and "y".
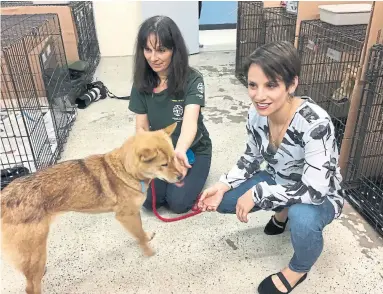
{"x": 208, "y": 253}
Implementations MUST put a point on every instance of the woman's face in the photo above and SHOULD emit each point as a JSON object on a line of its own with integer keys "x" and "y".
{"x": 158, "y": 58}
{"x": 267, "y": 96}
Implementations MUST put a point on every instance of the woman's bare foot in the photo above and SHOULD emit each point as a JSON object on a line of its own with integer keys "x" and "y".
{"x": 291, "y": 276}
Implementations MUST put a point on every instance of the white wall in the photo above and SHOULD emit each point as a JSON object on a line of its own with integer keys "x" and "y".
{"x": 117, "y": 25}
{"x": 183, "y": 13}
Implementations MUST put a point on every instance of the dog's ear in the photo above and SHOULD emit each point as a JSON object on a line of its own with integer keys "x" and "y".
{"x": 147, "y": 154}
{"x": 170, "y": 129}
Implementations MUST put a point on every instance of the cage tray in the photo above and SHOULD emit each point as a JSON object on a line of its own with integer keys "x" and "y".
{"x": 345, "y": 14}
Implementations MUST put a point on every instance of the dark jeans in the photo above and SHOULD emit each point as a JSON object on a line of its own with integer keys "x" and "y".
{"x": 181, "y": 199}
{"x": 306, "y": 222}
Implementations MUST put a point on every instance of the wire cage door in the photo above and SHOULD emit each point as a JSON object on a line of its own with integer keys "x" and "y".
{"x": 35, "y": 114}
{"x": 88, "y": 47}
{"x": 256, "y": 26}
{"x": 280, "y": 25}
{"x": 330, "y": 58}
{"x": 364, "y": 173}
{"x": 250, "y": 34}
{"x": 57, "y": 83}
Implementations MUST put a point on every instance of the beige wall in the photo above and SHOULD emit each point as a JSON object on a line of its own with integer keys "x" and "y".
{"x": 272, "y": 4}
{"x": 117, "y": 24}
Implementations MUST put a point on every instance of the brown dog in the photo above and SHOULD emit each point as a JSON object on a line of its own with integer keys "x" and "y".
{"x": 111, "y": 182}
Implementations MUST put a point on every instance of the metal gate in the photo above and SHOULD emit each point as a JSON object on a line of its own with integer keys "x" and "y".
{"x": 364, "y": 173}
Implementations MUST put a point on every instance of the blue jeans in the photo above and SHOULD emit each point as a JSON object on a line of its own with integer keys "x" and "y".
{"x": 306, "y": 223}
{"x": 181, "y": 199}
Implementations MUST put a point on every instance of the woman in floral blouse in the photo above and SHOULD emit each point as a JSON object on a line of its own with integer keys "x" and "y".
{"x": 302, "y": 180}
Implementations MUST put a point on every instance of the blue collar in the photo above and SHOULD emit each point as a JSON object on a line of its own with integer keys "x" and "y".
{"x": 143, "y": 190}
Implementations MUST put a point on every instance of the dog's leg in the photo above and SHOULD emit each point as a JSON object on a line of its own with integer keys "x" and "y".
{"x": 34, "y": 270}
{"x": 25, "y": 247}
{"x": 132, "y": 222}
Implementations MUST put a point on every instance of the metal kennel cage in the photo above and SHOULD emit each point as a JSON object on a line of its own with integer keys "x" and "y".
{"x": 15, "y": 3}
{"x": 88, "y": 48}
{"x": 250, "y": 33}
{"x": 330, "y": 57}
{"x": 256, "y": 26}
{"x": 36, "y": 115}
{"x": 364, "y": 172}
{"x": 80, "y": 30}
{"x": 280, "y": 25}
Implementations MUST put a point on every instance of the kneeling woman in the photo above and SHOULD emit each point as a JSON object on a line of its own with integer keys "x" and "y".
{"x": 167, "y": 90}
{"x": 302, "y": 180}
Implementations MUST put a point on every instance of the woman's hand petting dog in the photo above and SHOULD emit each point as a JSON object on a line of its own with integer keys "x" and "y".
{"x": 182, "y": 157}
{"x": 245, "y": 203}
{"x": 183, "y": 168}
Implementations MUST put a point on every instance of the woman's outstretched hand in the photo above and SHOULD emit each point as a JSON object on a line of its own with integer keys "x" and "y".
{"x": 245, "y": 203}
{"x": 212, "y": 197}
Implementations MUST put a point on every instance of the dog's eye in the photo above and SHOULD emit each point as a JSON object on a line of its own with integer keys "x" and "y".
{"x": 164, "y": 165}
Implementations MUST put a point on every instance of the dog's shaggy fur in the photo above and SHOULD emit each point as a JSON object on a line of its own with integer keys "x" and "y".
{"x": 100, "y": 183}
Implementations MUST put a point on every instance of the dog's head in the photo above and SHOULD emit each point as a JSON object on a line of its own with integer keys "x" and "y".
{"x": 152, "y": 155}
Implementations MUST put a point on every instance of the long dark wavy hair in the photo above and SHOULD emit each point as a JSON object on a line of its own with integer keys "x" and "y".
{"x": 169, "y": 36}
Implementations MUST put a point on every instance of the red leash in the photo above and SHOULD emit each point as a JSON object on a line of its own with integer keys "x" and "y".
{"x": 195, "y": 209}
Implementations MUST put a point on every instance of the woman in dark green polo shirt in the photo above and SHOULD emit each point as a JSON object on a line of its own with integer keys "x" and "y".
{"x": 167, "y": 90}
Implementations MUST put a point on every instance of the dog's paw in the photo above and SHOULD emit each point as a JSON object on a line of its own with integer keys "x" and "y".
{"x": 148, "y": 251}
{"x": 150, "y": 235}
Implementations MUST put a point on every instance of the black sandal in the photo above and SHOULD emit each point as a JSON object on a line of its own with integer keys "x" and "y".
{"x": 275, "y": 227}
{"x": 267, "y": 286}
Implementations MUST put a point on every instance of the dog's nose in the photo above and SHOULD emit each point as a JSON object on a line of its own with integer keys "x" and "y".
{"x": 179, "y": 177}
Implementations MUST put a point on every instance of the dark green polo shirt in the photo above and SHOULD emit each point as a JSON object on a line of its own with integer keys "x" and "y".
{"x": 163, "y": 110}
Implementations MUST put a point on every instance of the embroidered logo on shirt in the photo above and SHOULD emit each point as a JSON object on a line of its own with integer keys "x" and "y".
{"x": 178, "y": 110}
{"x": 200, "y": 88}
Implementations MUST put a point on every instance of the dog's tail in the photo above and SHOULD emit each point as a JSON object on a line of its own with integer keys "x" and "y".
{"x": 24, "y": 245}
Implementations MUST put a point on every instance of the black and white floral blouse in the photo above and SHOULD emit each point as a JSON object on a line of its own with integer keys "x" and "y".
{"x": 305, "y": 166}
